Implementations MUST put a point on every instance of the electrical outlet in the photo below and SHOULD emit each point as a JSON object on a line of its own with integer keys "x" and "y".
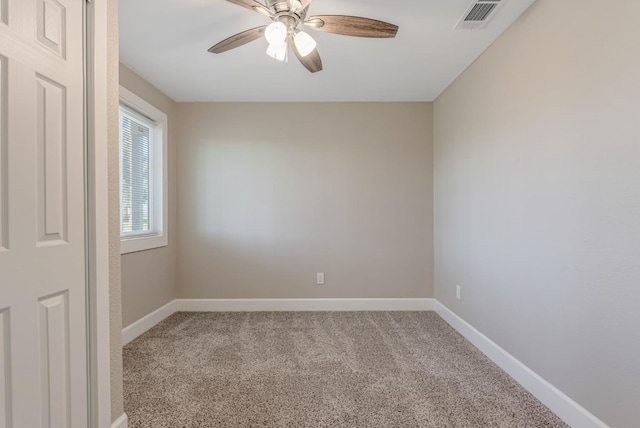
{"x": 320, "y": 278}
{"x": 458, "y": 292}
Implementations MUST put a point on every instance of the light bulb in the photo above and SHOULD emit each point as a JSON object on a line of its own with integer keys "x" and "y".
{"x": 276, "y": 33}
{"x": 304, "y": 43}
{"x": 277, "y": 51}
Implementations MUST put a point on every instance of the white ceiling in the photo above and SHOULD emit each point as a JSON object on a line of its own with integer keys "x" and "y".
{"x": 166, "y": 42}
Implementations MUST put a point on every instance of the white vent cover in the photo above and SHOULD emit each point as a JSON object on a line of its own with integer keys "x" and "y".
{"x": 478, "y": 14}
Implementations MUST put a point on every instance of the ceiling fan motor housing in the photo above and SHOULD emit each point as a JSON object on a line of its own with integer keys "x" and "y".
{"x": 290, "y": 21}
{"x": 280, "y": 7}
{"x": 277, "y": 5}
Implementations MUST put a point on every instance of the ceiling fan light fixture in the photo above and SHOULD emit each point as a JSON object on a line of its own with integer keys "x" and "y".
{"x": 282, "y": 32}
{"x": 276, "y": 33}
{"x": 304, "y": 43}
{"x": 277, "y": 51}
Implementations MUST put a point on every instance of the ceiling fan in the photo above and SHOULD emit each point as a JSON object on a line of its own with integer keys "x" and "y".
{"x": 287, "y": 17}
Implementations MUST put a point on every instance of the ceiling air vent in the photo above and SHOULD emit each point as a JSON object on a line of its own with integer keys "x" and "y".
{"x": 478, "y": 14}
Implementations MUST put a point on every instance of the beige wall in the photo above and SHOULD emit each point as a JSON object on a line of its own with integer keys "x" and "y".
{"x": 270, "y": 194}
{"x": 115, "y": 301}
{"x": 537, "y": 199}
{"x": 149, "y": 277}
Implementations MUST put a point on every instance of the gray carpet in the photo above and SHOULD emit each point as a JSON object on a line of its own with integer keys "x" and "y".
{"x": 318, "y": 369}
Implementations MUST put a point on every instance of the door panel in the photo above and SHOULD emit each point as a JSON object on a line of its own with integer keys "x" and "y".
{"x": 43, "y": 381}
{"x": 3, "y": 11}
{"x": 54, "y": 359}
{"x": 52, "y": 169}
{"x": 5, "y": 377}
{"x": 4, "y": 170}
{"x": 52, "y": 25}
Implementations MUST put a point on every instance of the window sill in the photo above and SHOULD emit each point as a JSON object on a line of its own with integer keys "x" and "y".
{"x": 142, "y": 243}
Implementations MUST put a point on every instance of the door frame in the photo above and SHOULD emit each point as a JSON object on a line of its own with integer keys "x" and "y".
{"x": 97, "y": 31}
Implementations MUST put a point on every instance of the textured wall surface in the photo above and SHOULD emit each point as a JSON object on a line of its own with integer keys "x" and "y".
{"x": 537, "y": 199}
{"x": 270, "y": 194}
{"x": 149, "y": 277}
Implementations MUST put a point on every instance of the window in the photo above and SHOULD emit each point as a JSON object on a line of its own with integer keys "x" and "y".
{"x": 143, "y": 174}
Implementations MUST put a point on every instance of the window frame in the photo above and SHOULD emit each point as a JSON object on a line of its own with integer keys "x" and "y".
{"x": 158, "y": 237}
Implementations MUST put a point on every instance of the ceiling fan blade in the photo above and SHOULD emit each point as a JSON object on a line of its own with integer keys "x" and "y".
{"x": 253, "y": 5}
{"x": 352, "y": 26}
{"x": 311, "y": 62}
{"x": 238, "y": 40}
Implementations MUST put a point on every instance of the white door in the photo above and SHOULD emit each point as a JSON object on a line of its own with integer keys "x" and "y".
{"x": 43, "y": 380}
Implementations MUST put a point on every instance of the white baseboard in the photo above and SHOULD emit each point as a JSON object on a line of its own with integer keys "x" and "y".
{"x": 257, "y": 305}
{"x": 121, "y": 422}
{"x": 145, "y": 323}
{"x": 568, "y": 410}
{"x": 134, "y": 330}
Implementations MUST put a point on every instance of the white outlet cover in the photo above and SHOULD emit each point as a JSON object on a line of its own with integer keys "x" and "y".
{"x": 320, "y": 278}
{"x": 458, "y": 292}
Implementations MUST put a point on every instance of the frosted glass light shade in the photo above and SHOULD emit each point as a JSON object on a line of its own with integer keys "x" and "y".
{"x": 275, "y": 33}
{"x": 304, "y": 43}
{"x": 277, "y": 51}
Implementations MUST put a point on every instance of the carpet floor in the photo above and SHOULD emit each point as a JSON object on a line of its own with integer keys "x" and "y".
{"x": 318, "y": 369}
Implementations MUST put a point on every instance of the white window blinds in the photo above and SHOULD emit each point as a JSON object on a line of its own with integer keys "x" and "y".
{"x": 136, "y": 175}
